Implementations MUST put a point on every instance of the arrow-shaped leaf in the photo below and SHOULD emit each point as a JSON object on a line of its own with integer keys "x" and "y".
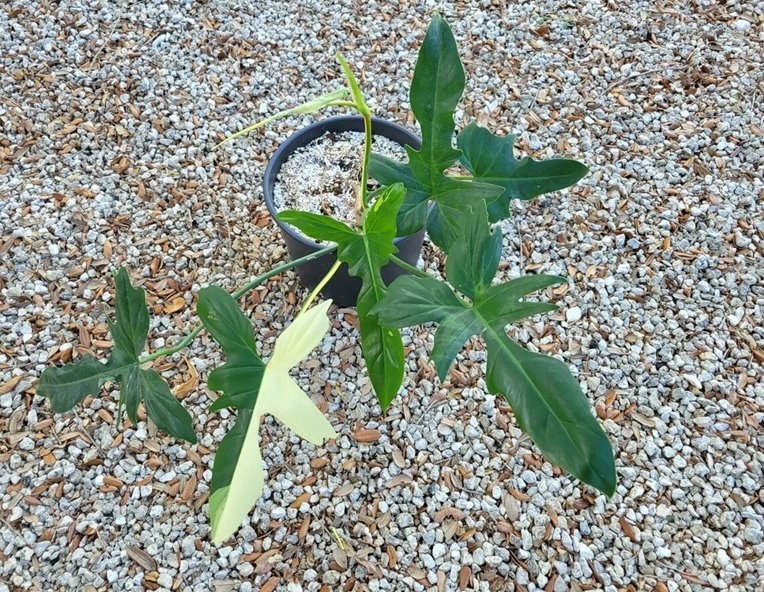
{"x": 255, "y": 389}
{"x": 436, "y": 89}
{"x": 366, "y": 252}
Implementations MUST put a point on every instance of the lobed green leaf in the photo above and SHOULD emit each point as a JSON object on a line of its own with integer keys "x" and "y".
{"x": 491, "y": 159}
{"x": 68, "y": 385}
{"x": 546, "y": 399}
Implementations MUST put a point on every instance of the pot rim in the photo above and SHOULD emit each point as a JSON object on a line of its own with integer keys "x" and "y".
{"x": 313, "y": 132}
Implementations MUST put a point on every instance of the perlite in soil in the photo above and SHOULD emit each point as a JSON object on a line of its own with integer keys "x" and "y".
{"x": 322, "y": 177}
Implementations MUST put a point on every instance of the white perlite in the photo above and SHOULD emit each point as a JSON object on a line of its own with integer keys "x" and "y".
{"x": 662, "y": 243}
{"x": 324, "y": 176}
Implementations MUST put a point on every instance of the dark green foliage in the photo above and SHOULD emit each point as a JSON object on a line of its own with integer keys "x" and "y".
{"x": 68, "y": 385}
{"x": 546, "y": 399}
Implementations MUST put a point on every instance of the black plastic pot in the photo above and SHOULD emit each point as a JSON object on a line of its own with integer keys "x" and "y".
{"x": 342, "y": 288}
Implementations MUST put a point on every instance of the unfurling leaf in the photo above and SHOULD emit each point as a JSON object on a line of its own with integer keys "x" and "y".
{"x": 68, "y": 385}
{"x": 544, "y": 396}
{"x": 366, "y": 252}
{"x": 255, "y": 389}
{"x": 491, "y": 159}
{"x": 303, "y": 109}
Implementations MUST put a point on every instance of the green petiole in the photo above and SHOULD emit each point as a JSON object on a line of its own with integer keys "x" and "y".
{"x": 168, "y": 351}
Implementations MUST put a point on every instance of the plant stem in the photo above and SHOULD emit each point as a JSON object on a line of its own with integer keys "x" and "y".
{"x": 283, "y": 267}
{"x": 366, "y": 155}
{"x": 410, "y": 268}
{"x": 167, "y": 351}
{"x": 363, "y": 109}
{"x": 320, "y": 287}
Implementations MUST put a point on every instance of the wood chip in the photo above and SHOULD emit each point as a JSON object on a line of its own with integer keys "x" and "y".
{"x": 143, "y": 559}
{"x": 367, "y": 436}
{"x": 112, "y": 481}
{"x": 319, "y": 463}
{"x": 264, "y": 563}
{"x": 512, "y": 507}
{"x": 449, "y": 512}
{"x": 344, "y": 489}
{"x": 417, "y": 572}
{"x": 449, "y": 529}
{"x": 644, "y": 420}
{"x": 628, "y": 530}
{"x": 175, "y": 305}
{"x": 465, "y": 575}
{"x": 392, "y": 557}
{"x": 9, "y": 385}
{"x": 398, "y": 480}
{"x": 340, "y": 557}
{"x": 189, "y": 489}
{"x": 398, "y": 458}
{"x": 182, "y": 390}
{"x": 303, "y": 530}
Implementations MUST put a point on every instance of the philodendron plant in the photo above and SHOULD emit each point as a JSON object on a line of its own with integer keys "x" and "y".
{"x": 460, "y": 213}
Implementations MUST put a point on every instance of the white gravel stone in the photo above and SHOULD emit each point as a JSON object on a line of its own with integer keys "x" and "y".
{"x": 573, "y": 314}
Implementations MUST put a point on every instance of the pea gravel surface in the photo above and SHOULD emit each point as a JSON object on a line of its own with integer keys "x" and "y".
{"x": 109, "y": 111}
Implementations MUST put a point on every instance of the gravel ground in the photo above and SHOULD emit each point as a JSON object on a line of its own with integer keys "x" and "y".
{"x": 108, "y": 112}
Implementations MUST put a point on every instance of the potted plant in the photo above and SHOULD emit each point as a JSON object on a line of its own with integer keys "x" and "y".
{"x": 460, "y": 213}
{"x": 342, "y": 288}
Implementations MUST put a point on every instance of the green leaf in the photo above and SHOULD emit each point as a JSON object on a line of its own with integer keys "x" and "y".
{"x": 475, "y": 254}
{"x": 240, "y": 377}
{"x": 365, "y": 253}
{"x": 491, "y": 159}
{"x": 546, "y": 399}
{"x": 436, "y": 89}
{"x": 162, "y": 406}
{"x": 255, "y": 389}
{"x": 551, "y": 409}
{"x": 355, "y": 90}
{"x": 414, "y": 300}
{"x": 454, "y": 199}
{"x": 68, "y": 385}
{"x": 412, "y": 215}
{"x": 131, "y": 325}
{"x": 450, "y": 337}
{"x": 504, "y": 303}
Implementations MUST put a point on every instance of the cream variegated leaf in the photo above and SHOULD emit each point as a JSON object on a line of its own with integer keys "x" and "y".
{"x": 256, "y": 389}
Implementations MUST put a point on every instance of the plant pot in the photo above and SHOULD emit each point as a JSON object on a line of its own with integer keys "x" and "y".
{"x": 342, "y": 288}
